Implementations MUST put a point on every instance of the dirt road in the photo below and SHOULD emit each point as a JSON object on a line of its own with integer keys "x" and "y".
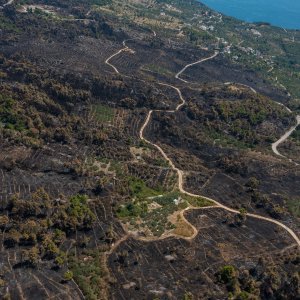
{"x": 180, "y": 173}
{"x": 285, "y": 137}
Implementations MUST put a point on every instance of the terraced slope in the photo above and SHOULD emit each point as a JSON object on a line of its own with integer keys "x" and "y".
{"x": 136, "y": 153}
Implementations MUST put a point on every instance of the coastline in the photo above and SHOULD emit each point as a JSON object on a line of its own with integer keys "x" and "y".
{"x": 279, "y": 17}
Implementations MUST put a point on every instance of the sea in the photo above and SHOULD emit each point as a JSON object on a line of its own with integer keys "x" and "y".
{"x": 281, "y": 13}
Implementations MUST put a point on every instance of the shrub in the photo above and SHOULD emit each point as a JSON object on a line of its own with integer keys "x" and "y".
{"x": 227, "y": 274}
{"x": 33, "y": 256}
{"x": 252, "y": 183}
{"x": 68, "y": 275}
{"x": 50, "y": 250}
{"x": 12, "y": 238}
{"x": 60, "y": 259}
{"x": 243, "y": 296}
{"x": 4, "y": 220}
{"x": 79, "y": 213}
{"x": 59, "y": 236}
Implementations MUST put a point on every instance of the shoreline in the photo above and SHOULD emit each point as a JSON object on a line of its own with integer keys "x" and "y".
{"x": 237, "y": 16}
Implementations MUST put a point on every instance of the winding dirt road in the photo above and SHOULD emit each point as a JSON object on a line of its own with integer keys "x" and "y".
{"x": 285, "y": 137}
{"x": 255, "y": 92}
{"x": 7, "y": 3}
{"x": 112, "y": 56}
{"x": 125, "y": 49}
{"x": 287, "y": 134}
{"x": 193, "y": 64}
{"x": 242, "y": 84}
{"x": 179, "y": 172}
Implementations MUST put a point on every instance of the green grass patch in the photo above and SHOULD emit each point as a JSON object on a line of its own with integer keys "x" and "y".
{"x": 140, "y": 190}
{"x": 294, "y": 206}
{"x": 156, "y": 220}
{"x": 159, "y": 70}
{"x": 132, "y": 210}
{"x": 103, "y": 113}
{"x": 197, "y": 201}
{"x": 162, "y": 163}
{"x": 7, "y": 24}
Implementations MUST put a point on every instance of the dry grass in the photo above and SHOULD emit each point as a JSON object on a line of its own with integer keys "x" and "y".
{"x": 183, "y": 228}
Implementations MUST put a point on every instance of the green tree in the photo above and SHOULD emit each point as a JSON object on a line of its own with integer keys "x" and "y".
{"x": 242, "y": 296}
{"x": 68, "y": 275}
{"x": 33, "y": 256}
{"x": 227, "y": 274}
{"x": 188, "y": 296}
{"x": 4, "y": 220}
{"x": 59, "y": 236}
{"x": 79, "y": 213}
{"x": 49, "y": 249}
{"x": 252, "y": 183}
{"x": 60, "y": 259}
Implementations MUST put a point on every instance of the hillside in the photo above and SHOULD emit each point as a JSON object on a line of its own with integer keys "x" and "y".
{"x": 149, "y": 150}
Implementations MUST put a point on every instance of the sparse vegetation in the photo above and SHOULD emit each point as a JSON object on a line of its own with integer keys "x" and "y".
{"x": 103, "y": 113}
{"x": 73, "y": 165}
{"x": 90, "y": 273}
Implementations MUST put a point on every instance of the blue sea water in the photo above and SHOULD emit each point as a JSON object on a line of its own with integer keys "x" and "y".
{"x": 282, "y": 13}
